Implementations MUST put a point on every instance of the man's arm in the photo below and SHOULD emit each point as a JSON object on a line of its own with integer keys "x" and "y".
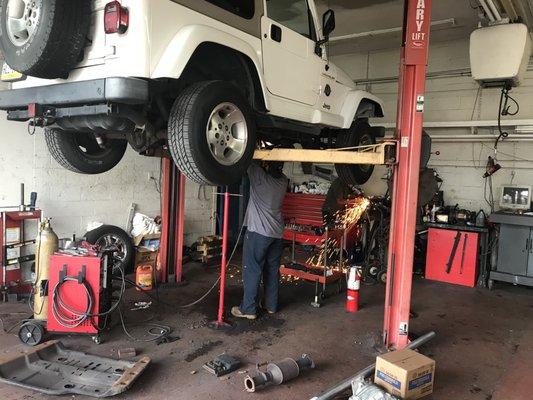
{"x": 256, "y": 173}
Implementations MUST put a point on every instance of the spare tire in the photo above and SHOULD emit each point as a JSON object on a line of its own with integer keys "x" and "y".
{"x": 109, "y": 235}
{"x": 44, "y": 38}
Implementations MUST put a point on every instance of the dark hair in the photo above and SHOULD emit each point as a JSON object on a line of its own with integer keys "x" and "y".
{"x": 275, "y": 168}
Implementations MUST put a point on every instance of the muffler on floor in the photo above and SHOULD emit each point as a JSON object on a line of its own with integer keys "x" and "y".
{"x": 277, "y": 373}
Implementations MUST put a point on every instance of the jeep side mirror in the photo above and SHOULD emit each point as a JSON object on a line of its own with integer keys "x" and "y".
{"x": 328, "y": 23}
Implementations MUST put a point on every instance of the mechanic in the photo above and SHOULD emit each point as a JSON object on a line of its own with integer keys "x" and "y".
{"x": 263, "y": 243}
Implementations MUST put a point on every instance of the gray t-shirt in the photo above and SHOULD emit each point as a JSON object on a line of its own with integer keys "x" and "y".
{"x": 266, "y": 199}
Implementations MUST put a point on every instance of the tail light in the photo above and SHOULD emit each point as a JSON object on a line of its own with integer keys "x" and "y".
{"x": 116, "y": 18}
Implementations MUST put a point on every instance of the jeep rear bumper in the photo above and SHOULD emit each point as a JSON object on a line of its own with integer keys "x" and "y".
{"x": 74, "y": 95}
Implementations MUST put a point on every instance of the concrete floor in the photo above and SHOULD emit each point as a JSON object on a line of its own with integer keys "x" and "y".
{"x": 483, "y": 345}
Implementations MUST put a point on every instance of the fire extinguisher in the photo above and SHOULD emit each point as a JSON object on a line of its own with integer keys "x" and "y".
{"x": 352, "y": 292}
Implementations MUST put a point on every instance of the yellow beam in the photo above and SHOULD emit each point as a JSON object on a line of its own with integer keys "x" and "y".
{"x": 370, "y": 155}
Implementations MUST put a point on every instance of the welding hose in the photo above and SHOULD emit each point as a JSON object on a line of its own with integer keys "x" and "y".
{"x": 76, "y": 317}
{"x": 365, "y": 373}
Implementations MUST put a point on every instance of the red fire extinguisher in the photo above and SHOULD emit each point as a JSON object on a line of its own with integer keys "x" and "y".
{"x": 352, "y": 292}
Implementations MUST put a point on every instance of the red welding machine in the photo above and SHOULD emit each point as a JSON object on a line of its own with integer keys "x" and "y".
{"x": 79, "y": 291}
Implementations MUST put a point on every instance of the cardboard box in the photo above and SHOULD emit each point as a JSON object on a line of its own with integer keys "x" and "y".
{"x": 152, "y": 236}
{"x": 405, "y": 373}
{"x": 145, "y": 256}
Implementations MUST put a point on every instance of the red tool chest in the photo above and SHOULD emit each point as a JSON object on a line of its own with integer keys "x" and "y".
{"x": 452, "y": 256}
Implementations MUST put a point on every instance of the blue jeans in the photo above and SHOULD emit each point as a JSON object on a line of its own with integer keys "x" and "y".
{"x": 261, "y": 258}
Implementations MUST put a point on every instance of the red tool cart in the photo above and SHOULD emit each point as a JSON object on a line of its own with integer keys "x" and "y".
{"x": 13, "y": 241}
{"x": 304, "y": 225}
{"x": 453, "y": 253}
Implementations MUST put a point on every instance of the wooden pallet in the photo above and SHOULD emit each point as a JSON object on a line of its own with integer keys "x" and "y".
{"x": 208, "y": 250}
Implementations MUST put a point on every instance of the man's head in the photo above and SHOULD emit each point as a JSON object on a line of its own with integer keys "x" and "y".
{"x": 274, "y": 168}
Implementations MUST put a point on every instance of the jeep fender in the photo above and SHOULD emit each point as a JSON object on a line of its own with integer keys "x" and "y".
{"x": 360, "y": 104}
{"x": 182, "y": 47}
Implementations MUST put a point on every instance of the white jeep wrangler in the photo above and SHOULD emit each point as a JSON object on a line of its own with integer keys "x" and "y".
{"x": 202, "y": 79}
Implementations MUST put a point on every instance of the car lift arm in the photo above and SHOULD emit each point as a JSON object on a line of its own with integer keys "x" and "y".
{"x": 411, "y": 95}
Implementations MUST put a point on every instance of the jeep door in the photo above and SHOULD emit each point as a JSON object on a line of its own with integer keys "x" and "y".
{"x": 292, "y": 68}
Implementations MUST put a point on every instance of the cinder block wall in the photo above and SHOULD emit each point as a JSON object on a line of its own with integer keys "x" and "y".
{"x": 460, "y": 164}
{"x": 72, "y": 200}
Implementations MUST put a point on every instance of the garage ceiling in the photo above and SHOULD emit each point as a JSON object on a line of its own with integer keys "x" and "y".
{"x": 358, "y": 16}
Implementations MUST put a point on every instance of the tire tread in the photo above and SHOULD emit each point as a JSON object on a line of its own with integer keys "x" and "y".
{"x": 179, "y": 142}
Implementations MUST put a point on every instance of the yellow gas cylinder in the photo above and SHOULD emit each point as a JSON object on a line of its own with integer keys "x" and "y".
{"x": 47, "y": 243}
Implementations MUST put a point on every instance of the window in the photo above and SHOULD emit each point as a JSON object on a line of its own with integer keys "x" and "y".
{"x": 294, "y": 14}
{"x": 242, "y": 8}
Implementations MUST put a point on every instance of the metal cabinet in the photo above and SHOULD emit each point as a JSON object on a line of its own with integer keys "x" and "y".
{"x": 515, "y": 249}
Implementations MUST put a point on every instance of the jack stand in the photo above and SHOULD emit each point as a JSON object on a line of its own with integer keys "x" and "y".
{"x": 316, "y": 303}
{"x": 219, "y": 326}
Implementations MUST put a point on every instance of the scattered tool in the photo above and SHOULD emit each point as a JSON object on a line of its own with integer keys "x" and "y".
{"x": 167, "y": 339}
{"x": 126, "y": 353}
{"x": 277, "y": 373}
{"x": 463, "y": 254}
{"x": 141, "y": 305}
{"x": 453, "y": 252}
{"x": 222, "y": 365}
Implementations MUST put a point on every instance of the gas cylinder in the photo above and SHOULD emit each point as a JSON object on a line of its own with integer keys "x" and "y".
{"x": 144, "y": 278}
{"x": 46, "y": 244}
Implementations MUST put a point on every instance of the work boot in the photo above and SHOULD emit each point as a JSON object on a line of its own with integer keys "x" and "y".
{"x": 236, "y": 312}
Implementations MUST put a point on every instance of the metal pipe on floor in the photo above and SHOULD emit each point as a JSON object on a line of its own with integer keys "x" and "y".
{"x": 365, "y": 373}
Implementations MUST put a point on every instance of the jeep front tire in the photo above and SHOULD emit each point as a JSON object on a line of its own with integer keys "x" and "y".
{"x": 359, "y": 134}
{"x": 211, "y": 133}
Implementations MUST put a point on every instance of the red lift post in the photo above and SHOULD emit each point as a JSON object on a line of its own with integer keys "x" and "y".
{"x": 411, "y": 96}
{"x": 173, "y": 220}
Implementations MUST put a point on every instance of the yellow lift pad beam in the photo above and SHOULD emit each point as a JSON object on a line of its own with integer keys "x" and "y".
{"x": 378, "y": 154}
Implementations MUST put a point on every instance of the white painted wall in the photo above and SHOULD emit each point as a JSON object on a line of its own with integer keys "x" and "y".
{"x": 461, "y": 165}
{"x": 72, "y": 200}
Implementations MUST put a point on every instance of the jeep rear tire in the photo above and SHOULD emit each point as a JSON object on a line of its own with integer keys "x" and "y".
{"x": 44, "y": 38}
{"x": 359, "y": 134}
{"x": 211, "y": 134}
{"x": 80, "y": 152}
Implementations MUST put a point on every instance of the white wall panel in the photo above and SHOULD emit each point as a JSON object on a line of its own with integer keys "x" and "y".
{"x": 72, "y": 200}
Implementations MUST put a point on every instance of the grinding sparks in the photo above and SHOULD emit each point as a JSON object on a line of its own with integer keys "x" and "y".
{"x": 330, "y": 250}
{"x": 352, "y": 213}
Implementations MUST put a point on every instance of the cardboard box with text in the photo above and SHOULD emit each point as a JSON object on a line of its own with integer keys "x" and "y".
{"x": 405, "y": 373}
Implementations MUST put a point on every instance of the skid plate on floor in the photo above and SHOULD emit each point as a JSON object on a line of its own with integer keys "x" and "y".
{"x": 53, "y": 369}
